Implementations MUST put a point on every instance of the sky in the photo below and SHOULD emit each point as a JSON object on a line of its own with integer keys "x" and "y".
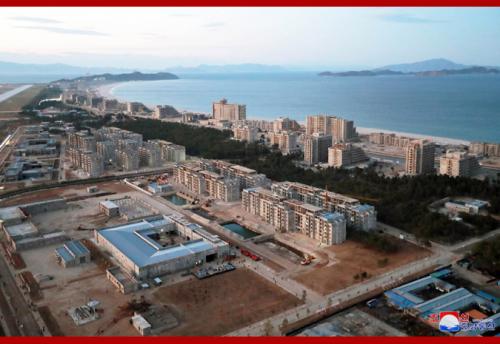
{"x": 155, "y": 38}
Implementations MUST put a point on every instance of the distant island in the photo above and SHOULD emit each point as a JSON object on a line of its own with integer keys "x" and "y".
{"x": 444, "y": 72}
{"x": 135, "y": 76}
{"x": 434, "y": 67}
{"x": 362, "y": 73}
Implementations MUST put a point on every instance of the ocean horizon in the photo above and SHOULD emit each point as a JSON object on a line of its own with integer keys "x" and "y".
{"x": 463, "y": 107}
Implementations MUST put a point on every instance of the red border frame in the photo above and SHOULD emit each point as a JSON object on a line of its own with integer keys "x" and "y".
{"x": 251, "y": 3}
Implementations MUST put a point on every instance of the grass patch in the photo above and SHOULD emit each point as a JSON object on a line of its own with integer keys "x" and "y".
{"x": 17, "y": 102}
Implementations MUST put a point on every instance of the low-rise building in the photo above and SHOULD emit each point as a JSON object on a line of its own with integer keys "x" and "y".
{"x": 287, "y": 215}
{"x": 72, "y": 253}
{"x": 139, "y": 249}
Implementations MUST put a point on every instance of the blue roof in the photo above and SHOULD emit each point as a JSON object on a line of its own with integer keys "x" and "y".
{"x": 64, "y": 254}
{"x": 77, "y": 248}
{"x": 400, "y": 301}
{"x": 133, "y": 241}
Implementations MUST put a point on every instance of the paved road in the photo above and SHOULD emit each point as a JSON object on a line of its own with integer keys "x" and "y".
{"x": 12, "y": 93}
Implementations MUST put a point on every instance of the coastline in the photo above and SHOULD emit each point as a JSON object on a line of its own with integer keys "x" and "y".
{"x": 435, "y": 139}
{"x": 106, "y": 91}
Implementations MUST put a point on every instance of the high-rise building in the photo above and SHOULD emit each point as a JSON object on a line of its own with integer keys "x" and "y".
{"x": 223, "y": 111}
{"x": 246, "y": 133}
{"x": 285, "y": 124}
{"x": 458, "y": 164}
{"x": 344, "y": 154}
{"x": 341, "y": 130}
{"x": 285, "y": 140}
{"x": 316, "y": 148}
{"x": 420, "y": 157}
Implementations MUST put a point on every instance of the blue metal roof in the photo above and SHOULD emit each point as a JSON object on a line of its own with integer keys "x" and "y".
{"x": 398, "y": 300}
{"x": 77, "y": 248}
{"x": 132, "y": 241}
{"x": 64, "y": 254}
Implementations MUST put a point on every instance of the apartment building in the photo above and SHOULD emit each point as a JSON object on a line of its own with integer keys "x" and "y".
{"x": 420, "y": 156}
{"x": 485, "y": 148}
{"x": 207, "y": 182}
{"x": 217, "y": 186}
{"x": 246, "y": 133}
{"x": 389, "y": 140}
{"x": 341, "y": 130}
{"x": 134, "y": 107}
{"x": 458, "y": 164}
{"x": 247, "y": 177}
{"x": 285, "y": 140}
{"x": 345, "y": 154}
{"x": 316, "y": 148}
{"x": 292, "y": 215}
{"x": 360, "y": 216}
{"x": 223, "y": 111}
{"x": 285, "y": 124}
{"x": 127, "y": 160}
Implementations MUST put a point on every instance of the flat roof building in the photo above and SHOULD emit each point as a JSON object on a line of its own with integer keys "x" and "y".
{"x": 139, "y": 251}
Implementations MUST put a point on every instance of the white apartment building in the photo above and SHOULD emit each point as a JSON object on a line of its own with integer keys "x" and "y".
{"x": 344, "y": 154}
{"x": 223, "y": 111}
{"x": 458, "y": 164}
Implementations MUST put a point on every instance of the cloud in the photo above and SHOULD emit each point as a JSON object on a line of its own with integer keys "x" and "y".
{"x": 63, "y": 30}
{"x": 214, "y": 24}
{"x": 36, "y": 20}
{"x": 407, "y": 19}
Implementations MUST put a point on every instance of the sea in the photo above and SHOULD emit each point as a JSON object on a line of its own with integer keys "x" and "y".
{"x": 463, "y": 107}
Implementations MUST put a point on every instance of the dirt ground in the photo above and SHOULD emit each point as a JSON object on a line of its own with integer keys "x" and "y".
{"x": 75, "y": 286}
{"x": 68, "y": 192}
{"x": 352, "y": 258}
{"x": 223, "y": 303}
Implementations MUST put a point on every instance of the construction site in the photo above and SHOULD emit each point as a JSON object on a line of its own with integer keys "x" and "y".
{"x": 129, "y": 260}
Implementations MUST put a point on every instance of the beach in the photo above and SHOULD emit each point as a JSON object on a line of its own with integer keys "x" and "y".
{"x": 435, "y": 139}
{"x": 107, "y": 92}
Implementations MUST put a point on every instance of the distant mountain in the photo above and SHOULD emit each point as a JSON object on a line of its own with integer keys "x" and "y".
{"x": 424, "y": 66}
{"x": 469, "y": 70}
{"x": 135, "y": 76}
{"x": 361, "y": 73}
{"x": 435, "y": 67}
{"x": 236, "y": 68}
{"x": 12, "y": 68}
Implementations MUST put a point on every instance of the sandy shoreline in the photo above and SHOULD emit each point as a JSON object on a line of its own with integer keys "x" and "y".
{"x": 436, "y": 139}
{"x": 107, "y": 92}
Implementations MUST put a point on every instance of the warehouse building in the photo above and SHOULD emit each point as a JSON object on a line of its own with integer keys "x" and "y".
{"x": 160, "y": 245}
{"x": 72, "y": 253}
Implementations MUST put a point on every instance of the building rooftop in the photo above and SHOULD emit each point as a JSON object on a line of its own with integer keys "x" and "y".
{"x": 11, "y": 214}
{"x": 22, "y": 230}
{"x": 109, "y": 204}
{"x": 132, "y": 240}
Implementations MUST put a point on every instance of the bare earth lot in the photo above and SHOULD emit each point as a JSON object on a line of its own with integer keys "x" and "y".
{"x": 223, "y": 303}
{"x": 353, "y": 258}
{"x": 66, "y": 192}
{"x": 75, "y": 286}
